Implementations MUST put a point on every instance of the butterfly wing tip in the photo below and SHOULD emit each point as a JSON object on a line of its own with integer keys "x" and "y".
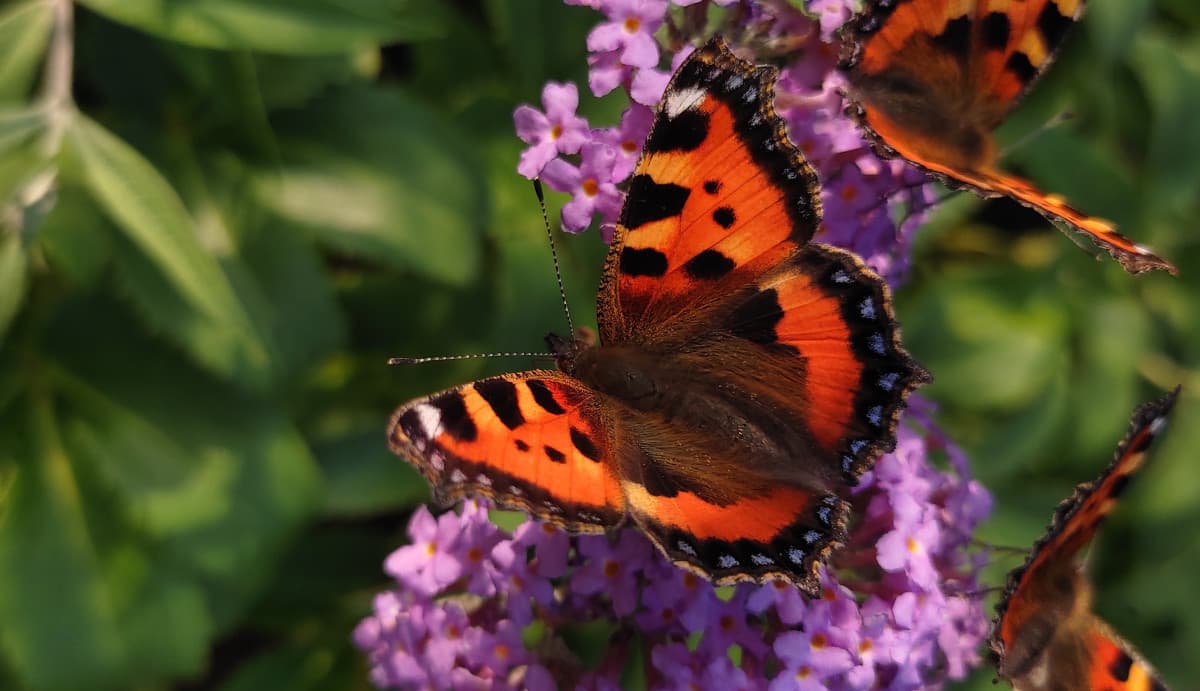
{"x": 1144, "y": 260}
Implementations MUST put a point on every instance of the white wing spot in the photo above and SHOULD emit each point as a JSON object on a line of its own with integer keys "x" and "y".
{"x": 1157, "y": 425}
{"x": 796, "y": 555}
{"x": 876, "y": 344}
{"x": 437, "y": 460}
{"x": 847, "y": 463}
{"x": 761, "y": 559}
{"x": 682, "y": 100}
{"x": 734, "y": 82}
{"x": 857, "y": 445}
{"x": 726, "y": 561}
{"x": 823, "y": 514}
{"x": 515, "y": 491}
{"x": 483, "y": 480}
{"x": 430, "y": 419}
{"x": 812, "y": 536}
{"x": 841, "y": 276}
{"x": 458, "y": 476}
{"x": 686, "y": 548}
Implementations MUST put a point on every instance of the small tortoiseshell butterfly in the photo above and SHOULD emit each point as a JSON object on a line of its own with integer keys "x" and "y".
{"x": 931, "y": 79}
{"x": 744, "y": 378}
{"x": 1046, "y": 637}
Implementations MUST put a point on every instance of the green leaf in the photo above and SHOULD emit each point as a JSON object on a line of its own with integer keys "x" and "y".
{"x": 13, "y": 269}
{"x": 298, "y": 27}
{"x": 1170, "y": 76}
{"x": 24, "y": 32}
{"x": 58, "y": 621}
{"x": 143, "y": 518}
{"x": 364, "y": 477}
{"x": 150, "y": 214}
{"x": 1112, "y": 26}
{"x": 21, "y": 156}
{"x": 373, "y": 173}
{"x": 76, "y": 239}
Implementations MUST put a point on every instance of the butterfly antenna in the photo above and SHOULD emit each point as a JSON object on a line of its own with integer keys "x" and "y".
{"x": 1060, "y": 118}
{"x": 473, "y": 356}
{"x": 562, "y": 291}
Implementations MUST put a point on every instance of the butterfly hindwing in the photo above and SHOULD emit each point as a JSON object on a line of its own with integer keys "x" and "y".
{"x": 532, "y": 441}
{"x": 1045, "y": 635}
{"x": 929, "y": 81}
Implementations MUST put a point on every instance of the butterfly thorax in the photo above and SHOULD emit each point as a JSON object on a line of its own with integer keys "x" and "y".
{"x": 693, "y": 425}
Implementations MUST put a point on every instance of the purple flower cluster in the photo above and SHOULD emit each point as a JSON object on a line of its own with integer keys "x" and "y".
{"x": 475, "y": 607}
{"x": 862, "y": 194}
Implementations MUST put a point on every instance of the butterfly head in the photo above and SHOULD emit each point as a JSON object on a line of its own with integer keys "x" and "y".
{"x": 566, "y": 350}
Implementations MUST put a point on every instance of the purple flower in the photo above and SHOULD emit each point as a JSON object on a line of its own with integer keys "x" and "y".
{"x": 908, "y": 547}
{"x": 612, "y": 569}
{"x": 431, "y": 562}
{"x": 627, "y": 139}
{"x": 590, "y": 184}
{"x": 630, "y": 30}
{"x": 557, "y": 131}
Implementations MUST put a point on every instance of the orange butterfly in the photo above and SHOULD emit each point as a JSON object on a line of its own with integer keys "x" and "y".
{"x": 745, "y": 376}
{"x": 1046, "y": 636}
{"x": 931, "y": 79}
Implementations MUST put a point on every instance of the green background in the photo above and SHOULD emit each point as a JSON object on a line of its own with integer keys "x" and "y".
{"x": 220, "y": 223}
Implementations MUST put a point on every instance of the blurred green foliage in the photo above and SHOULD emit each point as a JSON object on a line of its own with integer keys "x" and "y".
{"x": 217, "y": 221}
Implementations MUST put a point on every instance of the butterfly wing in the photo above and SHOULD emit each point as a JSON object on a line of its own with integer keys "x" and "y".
{"x": 931, "y": 79}
{"x": 1044, "y": 607}
{"x": 532, "y": 441}
{"x": 1115, "y": 665}
{"x": 712, "y": 268}
{"x": 719, "y": 195}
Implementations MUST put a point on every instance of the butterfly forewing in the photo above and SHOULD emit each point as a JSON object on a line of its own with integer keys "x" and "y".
{"x": 930, "y": 80}
{"x": 532, "y": 440}
{"x": 1045, "y": 636}
{"x": 719, "y": 196}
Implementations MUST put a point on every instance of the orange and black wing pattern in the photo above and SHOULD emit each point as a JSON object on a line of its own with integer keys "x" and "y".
{"x": 1045, "y": 635}
{"x": 712, "y": 266}
{"x": 718, "y": 196}
{"x": 929, "y": 80}
{"x": 531, "y": 441}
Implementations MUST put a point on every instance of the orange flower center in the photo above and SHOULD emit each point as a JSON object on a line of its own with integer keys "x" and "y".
{"x": 611, "y": 568}
{"x": 556, "y": 132}
{"x": 629, "y": 146}
{"x": 590, "y": 188}
{"x": 819, "y": 641}
{"x": 913, "y": 545}
{"x": 804, "y": 672}
{"x": 475, "y": 555}
{"x": 849, "y": 193}
{"x": 865, "y": 646}
{"x": 632, "y": 24}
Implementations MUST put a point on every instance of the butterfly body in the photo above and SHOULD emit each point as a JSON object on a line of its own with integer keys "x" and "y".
{"x": 743, "y": 377}
{"x": 1046, "y": 636}
{"x": 930, "y": 80}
